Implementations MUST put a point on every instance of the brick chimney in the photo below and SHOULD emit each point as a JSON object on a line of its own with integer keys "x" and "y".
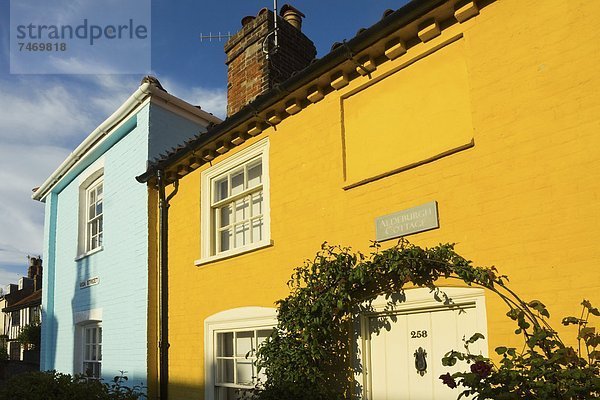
{"x": 35, "y": 272}
{"x": 249, "y": 71}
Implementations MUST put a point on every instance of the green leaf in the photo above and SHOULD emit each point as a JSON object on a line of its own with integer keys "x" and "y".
{"x": 571, "y": 321}
{"x": 586, "y": 332}
{"x": 475, "y": 337}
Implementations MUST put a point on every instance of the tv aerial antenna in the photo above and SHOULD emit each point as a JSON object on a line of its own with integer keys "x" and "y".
{"x": 217, "y": 37}
{"x": 265, "y": 44}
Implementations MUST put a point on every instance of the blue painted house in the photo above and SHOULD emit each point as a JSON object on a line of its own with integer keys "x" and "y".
{"x": 99, "y": 305}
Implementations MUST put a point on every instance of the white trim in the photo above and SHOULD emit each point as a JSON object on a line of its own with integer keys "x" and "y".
{"x": 260, "y": 148}
{"x": 88, "y": 253}
{"x": 417, "y": 300}
{"x": 80, "y": 320}
{"x": 237, "y": 318}
{"x": 131, "y": 106}
{"x": 94, "y": 190}
{"x": 91, "y": 173}
{"x": 80, "y": 330}
{"x": 90, "y": 177}
{"x": 87, "y": 316}
{"x": 232, "y": 253}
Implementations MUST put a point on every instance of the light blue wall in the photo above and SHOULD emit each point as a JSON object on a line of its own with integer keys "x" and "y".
{"x": 49, "y": 327}
{"x": 168, "y": 130}
{"x": 122, "y": 265}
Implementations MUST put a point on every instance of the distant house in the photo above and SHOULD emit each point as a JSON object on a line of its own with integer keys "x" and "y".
{"x": 21, "y": 307}
{"x": 100, "y": 271}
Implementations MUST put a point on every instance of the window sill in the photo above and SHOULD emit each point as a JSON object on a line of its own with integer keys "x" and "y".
{"x": 89, "y": 253}
{"x": 233, "y": 253}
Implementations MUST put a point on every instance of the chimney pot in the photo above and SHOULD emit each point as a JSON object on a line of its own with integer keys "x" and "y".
{"x": 247, "y": 19}
{"x": 250, "y": 73}
{"x": 293, "y": 16}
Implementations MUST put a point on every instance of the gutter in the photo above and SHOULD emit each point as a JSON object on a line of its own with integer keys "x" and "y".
{"x": 385, "y": 27}
{"x": 163, "y": 277}
{"x": 144, "y": 91}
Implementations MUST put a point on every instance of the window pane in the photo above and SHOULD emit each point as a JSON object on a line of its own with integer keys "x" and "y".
{"x": 261, "y": 336}
{"x": 94, "y": 227}
{"x": 237, "y": 182}
{"x": 221, "y": 191}
{"x": 257, "y": 201}
{"x": 100, "y": 239}
{"x": 225, "y": 237}
{"x": 225, "y": 216}
{"x": 242, "y": 234}
{"x": 257, "y": 225}
{"x": 93, "y": 353}
{"x": 225, "y": 371}
{"x": 99, "y": 207}
{"x": 99, "y": 191}
{"x": 92, "y": 198}
{"x": 254, "y": 174}
{"x": 99, "y": 352}
{"x": 225, "y": 344}
{"x": 241, "y": 209}
{"x": 227, "y": 393}
{"x": 88, "y": 353}
{"x": 244, "y": 372}
{"x": 88, "y": 369}
{"x": 243, "y": 341}
{"x": 261, "y": 376}
{"x": 88, "y": 335}
{"x": 100, "y": 219}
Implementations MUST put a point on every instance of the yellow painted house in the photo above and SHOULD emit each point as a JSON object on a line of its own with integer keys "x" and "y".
{"x": 475, "y": 122}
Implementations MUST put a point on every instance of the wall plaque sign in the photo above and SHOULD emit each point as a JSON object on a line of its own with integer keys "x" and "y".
{"x": 406, "y": 222}
{"x": 90, "y": 282}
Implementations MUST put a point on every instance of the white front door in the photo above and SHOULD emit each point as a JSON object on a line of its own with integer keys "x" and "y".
{"x": 403, "y": 349}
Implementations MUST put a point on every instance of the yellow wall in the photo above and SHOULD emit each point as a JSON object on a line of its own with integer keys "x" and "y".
{"x": 524, "y": 197}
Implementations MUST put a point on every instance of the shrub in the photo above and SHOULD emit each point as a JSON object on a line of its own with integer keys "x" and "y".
{"x": 52, "y": 385}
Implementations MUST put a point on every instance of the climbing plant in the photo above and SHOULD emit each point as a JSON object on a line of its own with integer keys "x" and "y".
{"x": 310, "y": 354}
{"x": 544, "y": 369}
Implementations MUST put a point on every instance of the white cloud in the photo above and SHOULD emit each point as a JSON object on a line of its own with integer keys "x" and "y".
{"x": 22, "y": 167}
{"x": 112, "y": 91}
{"x": 34, "y": 110}
{"x": 211, "y": 100}
{"x": 12, "y": 273}
{"x": 42, "y": 120}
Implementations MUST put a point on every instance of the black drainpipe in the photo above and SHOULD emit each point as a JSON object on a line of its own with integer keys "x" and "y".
{"x": 163, "y": 259}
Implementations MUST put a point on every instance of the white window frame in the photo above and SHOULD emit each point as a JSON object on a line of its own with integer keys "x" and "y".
{"x": 93, "y": 188}
{"x": 235, "y": 320}
{"x": 208, "y": 223}
{"x": 97, "y": 326}
{"x": 88, "y": 181}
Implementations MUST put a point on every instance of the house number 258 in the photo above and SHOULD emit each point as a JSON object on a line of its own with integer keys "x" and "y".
{"x": 418, "y": 334}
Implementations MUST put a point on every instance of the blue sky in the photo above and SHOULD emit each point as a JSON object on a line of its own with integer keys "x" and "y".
{"x": 44, "y": 117}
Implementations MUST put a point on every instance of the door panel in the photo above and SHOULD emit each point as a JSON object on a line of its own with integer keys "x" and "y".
{"x": 391, "y": 370}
